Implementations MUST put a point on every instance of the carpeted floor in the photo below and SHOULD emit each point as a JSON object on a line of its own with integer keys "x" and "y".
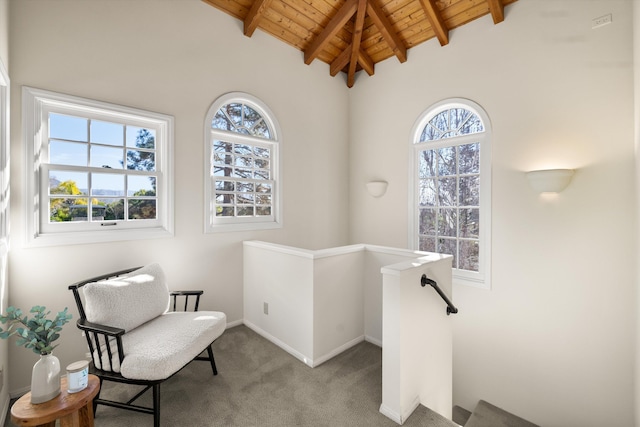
{"x": 259, "y": 384}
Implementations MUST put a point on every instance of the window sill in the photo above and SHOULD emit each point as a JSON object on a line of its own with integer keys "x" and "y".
{"x": 87, "y": 237}
{"x": 249, "y": 226}
{"x": 471, "y": 282}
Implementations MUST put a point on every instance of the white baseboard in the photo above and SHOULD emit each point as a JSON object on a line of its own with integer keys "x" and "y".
{"x": 373, "y": 340}
{"x": 309, "y": 361}
{"x": 392, "y": 415}
{"x": 397, "y": 417}
{"x": 337, "y": 351}
{"x": 295, "y": 353}
{"x": 408, "y": 412}
{"x": 234, "y": 323}
{"x": 19, "y": 392}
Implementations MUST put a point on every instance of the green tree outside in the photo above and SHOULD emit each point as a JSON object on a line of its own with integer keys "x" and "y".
{"x": 65, "y": 209}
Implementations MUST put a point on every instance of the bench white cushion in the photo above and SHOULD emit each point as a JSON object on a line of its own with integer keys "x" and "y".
{"x": 159, "y": 348}
{"x": 128, "y": 301}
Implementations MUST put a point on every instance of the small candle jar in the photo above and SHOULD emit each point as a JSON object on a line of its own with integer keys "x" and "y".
{"x": 77, "y": 376}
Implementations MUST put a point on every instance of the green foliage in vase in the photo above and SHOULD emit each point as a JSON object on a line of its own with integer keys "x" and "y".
{"x": 37, "y": 333}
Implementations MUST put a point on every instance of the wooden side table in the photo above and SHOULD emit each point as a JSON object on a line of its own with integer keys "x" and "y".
{"x": 72, "y": 409}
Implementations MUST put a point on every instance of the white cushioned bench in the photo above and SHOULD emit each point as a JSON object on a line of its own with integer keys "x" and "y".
{"x": 132, "y": 335}
{"x": 159, "y": 348}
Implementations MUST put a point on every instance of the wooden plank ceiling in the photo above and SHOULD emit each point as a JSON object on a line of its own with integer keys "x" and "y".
{"x": 354, "y": 35}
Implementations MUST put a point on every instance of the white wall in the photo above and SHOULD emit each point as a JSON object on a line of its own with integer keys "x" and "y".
{"x": 376, "y": 258}
{"x": 636, "y": 120}
{"x": 553, "y": 340}
{"x": 4, "y": 355}
{"x": 321, "y": 302}
{"x": 173, "y": 57}
{"x": 315, "y": 298}
{"x": 4, "y": 32}
{"x": 283, "y": 279}
{"x": 338, "y": 303}
{"x": 418, "y": 338}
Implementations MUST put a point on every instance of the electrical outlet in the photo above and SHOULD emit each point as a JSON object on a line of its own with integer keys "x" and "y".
{"x": 601, "y": 21}
{"x": 265, "y": 308}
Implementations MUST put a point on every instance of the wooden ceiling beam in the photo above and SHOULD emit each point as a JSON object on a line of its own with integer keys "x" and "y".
{"x": 435, "y": 19}
{"x": 337, "y": 22}
{"x": 366, "y": 62}
{"x": 355, "y": 42}
{"x": 354, "y": 35}
{"x": 252, "y": 20}
{"x": 342, "y": 60}
{"x": 388, "y": 33}
{"x": 496, "y": 7}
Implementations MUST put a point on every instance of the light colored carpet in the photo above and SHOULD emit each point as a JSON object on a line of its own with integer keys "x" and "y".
{"x": 258, "y": 384}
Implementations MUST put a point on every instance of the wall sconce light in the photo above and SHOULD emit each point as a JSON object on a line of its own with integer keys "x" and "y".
{"x": 550, "y": 180}
{"x": 377, "y": 188}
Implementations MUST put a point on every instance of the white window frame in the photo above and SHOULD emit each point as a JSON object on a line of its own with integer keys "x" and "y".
{"x": 214, "y": 224}
{"x": 482, "y": 278}
{"x": 36, "y": 105}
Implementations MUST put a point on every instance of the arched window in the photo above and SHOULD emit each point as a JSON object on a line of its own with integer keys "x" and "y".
{"x": 242, "y": 183}
{"x": 451, "y": 179}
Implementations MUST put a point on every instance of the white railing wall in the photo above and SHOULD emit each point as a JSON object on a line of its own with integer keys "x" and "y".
{"x": 316, "y": 304}
{"x": 417, "y": 339}
{"x": 314, "y": 298}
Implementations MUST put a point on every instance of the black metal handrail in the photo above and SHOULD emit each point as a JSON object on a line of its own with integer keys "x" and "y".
{"x": 426, "y": 281}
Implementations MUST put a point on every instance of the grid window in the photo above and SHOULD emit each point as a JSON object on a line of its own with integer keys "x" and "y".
{"x": 449, "y": 203}
{"x": 104, "y": 172}
{"x": 451, "y": 213}
{"x": 242, "y": 178}
{"x": 242, "y": 183}
{"x": 100, "y": 171}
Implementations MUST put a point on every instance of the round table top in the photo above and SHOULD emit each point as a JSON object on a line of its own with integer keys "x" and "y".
{"x": 64, "y": 404}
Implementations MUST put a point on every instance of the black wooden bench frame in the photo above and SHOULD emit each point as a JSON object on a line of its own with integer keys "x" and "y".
{"x": 94, "y": 332}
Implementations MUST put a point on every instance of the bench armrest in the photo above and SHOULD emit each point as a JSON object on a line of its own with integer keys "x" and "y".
{"x": 87, "y": 326}
{"x": 102, "y": 338}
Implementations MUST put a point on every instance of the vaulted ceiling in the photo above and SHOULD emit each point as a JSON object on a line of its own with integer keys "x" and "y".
{"x": 354, "y": 35}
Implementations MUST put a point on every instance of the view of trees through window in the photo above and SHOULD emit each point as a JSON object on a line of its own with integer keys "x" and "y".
{"x": 100, "y": 171}
{"x": 449, "y": 187}
{"x": 242, "y": 170}
{"x": 450, "y": 203}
